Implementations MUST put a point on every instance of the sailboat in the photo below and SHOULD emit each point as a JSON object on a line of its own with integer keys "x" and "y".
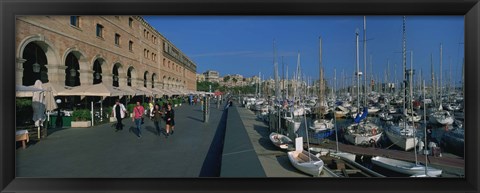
{"x": 412, "y": 169}
{"x": 323, "y": 128}
{"x": 441, "y": 116}
{"x": 304, "y": 160}
{"x": 362, "y": 132}
{"x": 403, "y": 134}
{"x": 322, "y": 151}
{"x": 279, "y": 140}
{"x": 404, "y": 167}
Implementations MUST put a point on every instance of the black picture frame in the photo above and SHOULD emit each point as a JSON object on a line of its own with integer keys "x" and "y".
{"x": 9, "y": 9}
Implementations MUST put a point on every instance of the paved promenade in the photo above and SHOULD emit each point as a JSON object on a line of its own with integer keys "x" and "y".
{"x": 99, "y": 151}
{"x": 274, "y": 161}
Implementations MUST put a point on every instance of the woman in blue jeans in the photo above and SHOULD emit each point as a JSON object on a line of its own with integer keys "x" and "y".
{"x": 137, "y": 117}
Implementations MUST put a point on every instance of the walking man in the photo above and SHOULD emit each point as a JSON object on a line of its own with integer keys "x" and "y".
{"x": 119, "y": 112}
{"x": 137, "y": 117}
{"x": 157, "y": 117}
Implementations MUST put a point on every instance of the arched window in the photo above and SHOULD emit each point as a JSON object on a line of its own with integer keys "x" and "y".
{"x": 97, "y": 72}
{"x": 72, "y": 75}
{"x": 34, "y": 67}
{"x": 115, "y": 75}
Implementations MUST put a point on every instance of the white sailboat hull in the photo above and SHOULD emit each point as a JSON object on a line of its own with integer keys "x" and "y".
{"x": 359, "y": 139}
{"x": 363, "y": 134}
{"x": 300, "y": 160}
{"x": 405, "y": 142}
{"x": 280, "y": 140}
{"x": 405, "y": 167}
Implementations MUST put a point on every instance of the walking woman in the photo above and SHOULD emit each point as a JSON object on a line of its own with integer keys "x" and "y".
{"x": 170, "y": 119}
{"x": 157, "y": 117}
{"x": 137, "y": 117}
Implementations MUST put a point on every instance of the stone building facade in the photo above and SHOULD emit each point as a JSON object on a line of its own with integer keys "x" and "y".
{"x": 86, "y": 50}
{"x": 211, "y": 76}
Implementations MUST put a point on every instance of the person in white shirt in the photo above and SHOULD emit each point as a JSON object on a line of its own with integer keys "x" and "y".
{"x": 119, "y": 112}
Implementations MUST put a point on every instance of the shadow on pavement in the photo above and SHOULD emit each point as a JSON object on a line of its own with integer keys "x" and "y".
{"x": 196, "y": 119}
{"x": 285, "y": 163}
{"x": 212, "y": 164}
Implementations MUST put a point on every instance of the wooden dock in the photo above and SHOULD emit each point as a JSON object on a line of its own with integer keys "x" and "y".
{"x": 449, "y": 161}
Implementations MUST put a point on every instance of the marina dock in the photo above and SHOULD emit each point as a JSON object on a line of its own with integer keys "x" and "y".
{"x": 234, "y": 143}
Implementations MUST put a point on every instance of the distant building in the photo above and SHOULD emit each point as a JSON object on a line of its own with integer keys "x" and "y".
{"x": 211, "y": 76}
{"x": 200, "y": 77}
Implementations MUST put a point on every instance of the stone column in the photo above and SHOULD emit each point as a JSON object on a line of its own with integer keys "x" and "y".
{"x": 107, "y": 78}
{"x": 86, "y": 77}
{"x": 139, "y": 82}
{"x": 56, "y": 74}
{"x": 122, "y": 80}
{"x": 19, "y": 71}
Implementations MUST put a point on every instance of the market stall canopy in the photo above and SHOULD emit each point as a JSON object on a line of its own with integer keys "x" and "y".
{"x": 26, "y": 91}
{"x": 128, "y": 90}
{"x": 144, "y": 91}
{"x": 55, "y": 88}
{"x": 158, "y": 91}
{"x": 93, "y": 90}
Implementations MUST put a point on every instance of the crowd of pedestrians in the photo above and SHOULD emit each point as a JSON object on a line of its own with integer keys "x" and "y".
{"x": 155, "y": 112}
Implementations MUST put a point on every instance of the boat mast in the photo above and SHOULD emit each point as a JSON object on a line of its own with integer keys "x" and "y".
{"x": 441, "y": 83}
{"x": 433, "y": 81}
{"x": 335, "y": 104}
{"x": 275, "y": 64}
{"x": 425, "y": 129}
{"x": 287, "y": 83}
{"x": 365, "y": 60}
{"x": 357, "y": 74}
{"x": 404, "y": 62}
{"x": 320, "y": 66}
{"x": 411, "y": 105}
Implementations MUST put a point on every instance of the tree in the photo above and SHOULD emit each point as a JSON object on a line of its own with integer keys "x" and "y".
{"x": 226, "y": 78}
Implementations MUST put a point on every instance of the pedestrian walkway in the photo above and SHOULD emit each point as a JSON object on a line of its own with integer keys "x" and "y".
{"x": 99, "y": 151}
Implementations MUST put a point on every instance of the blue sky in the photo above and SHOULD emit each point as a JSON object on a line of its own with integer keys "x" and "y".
{"x": 244, "y": 44}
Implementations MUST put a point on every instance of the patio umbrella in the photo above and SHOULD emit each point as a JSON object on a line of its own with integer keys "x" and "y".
{"x": 38, "y": 106}
{"x": 50, "y": 103}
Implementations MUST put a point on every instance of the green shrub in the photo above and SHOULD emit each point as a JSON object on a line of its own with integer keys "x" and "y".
{"x": 81, "y": 115}
{"x": 24, "y": 111}
{"x": 130, "y": 107}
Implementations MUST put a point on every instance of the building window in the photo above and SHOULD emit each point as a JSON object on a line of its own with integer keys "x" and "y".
{"x": 74, "y": 21}
{"x": 148, "y": 53}
{"x": 117, "y": 39}
{"x": 130, "y": 21}
{"x": 130, "y": 45}
{"x": 99, "y": 30}
{"x": 145, "y": 53}
{"x": 148, "y": 34}
{"x": 153, "y": 56}
{"x": 144, "y": 33}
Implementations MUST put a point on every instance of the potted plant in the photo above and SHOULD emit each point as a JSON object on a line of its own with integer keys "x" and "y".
{"x": 81, "y": 118}
{"x": 130, "y": 109}
{"x": 107, "y": 113}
